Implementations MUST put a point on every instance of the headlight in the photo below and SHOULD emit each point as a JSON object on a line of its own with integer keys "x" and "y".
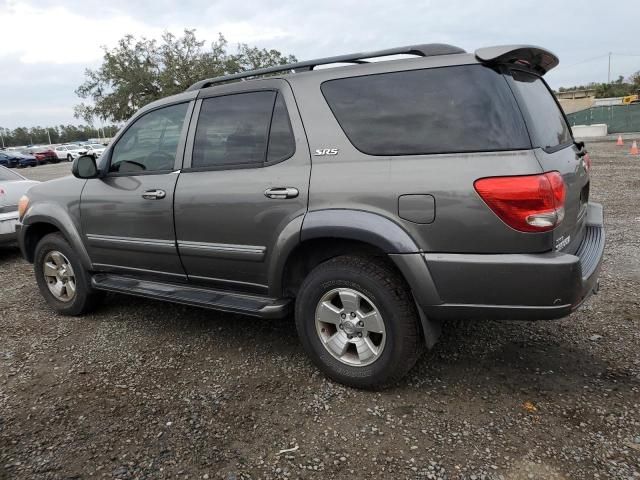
{"x": 23, "y": 203}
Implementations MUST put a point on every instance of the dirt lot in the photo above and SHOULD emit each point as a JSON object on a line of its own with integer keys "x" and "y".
{"x": 143, "y": 389}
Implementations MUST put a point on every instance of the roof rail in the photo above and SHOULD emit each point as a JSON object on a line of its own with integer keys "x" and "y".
{"x": 426, "y": 50}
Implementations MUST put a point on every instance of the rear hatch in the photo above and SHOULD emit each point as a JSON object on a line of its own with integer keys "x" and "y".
{"x": 556, "y": 150}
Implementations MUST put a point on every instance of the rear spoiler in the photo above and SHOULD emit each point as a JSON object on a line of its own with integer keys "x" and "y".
{"x": 535, "y": 58}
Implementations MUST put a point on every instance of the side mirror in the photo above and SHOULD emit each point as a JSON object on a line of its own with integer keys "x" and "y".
{"x": 85, "y": 167}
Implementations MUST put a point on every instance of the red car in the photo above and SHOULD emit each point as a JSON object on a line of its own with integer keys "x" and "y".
{"x": 44, "y": 155}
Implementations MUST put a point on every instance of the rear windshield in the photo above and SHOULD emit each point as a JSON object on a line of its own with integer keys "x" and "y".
{"x": 546, "y": 123}
{"x": 468, "y": 108}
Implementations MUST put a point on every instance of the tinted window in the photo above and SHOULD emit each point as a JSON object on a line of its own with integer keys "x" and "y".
{"x": 546, "y": 122}
{"x": 281, "y": 141}
{"x": 439, "y": 110}
{"x": 150, "y": 144}
{"x": 233, "y": 130}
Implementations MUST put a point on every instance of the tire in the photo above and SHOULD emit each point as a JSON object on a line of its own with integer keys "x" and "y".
{"x": 69, "y": 158}
{"x": 378, "y": 285}
{"x": 85, "y": 298}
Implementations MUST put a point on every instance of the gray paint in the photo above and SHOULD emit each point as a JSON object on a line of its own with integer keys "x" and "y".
{"x": 216, "y": 228}
{"x": 417, "y": 208}
{"x": 113, "y": 206}
{"x": 359, "y": 225}
{"x": 228, "y": 207}
{"x": 57, "y": 202}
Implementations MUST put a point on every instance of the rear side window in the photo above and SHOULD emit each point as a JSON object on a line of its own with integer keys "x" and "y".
{"x": 467, "y": 108}
{"x": 546, "y": 122}
{"x": 281, "y": 141}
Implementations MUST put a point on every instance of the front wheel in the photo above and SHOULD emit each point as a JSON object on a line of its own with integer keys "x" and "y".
{"x": 357, "y": 321}
{"x": 69, "y": 158}
{"x": 62, "y": 280}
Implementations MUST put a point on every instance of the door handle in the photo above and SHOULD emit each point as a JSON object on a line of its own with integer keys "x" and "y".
{"x": 154, "y": 194}
{"x": 281, "y": 192}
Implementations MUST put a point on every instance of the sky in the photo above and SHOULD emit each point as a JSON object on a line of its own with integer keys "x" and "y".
{"x": 46, "y": 45}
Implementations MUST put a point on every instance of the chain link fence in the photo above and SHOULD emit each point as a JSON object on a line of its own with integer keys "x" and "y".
{"x": 619, "y": 118}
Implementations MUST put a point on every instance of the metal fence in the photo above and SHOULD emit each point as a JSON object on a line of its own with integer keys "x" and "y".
{"x": 619, "y": 118}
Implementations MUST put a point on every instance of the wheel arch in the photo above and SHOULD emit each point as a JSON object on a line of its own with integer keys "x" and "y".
{"x": 329, "y": 233}
{"x": 42, "y": 219}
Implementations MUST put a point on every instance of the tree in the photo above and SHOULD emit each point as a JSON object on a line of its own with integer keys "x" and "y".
{"x": 139, "y": 71}
{"x": 61, "y": 134}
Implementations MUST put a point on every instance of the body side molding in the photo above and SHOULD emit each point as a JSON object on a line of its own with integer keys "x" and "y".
{"x": 251, "y": 253}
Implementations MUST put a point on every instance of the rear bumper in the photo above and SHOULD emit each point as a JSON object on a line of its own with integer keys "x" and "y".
{"x": 519, "y": 287}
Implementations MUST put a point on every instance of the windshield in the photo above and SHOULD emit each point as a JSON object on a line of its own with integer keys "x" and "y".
{"x": 73, "y": 147}
{"x": 545, "y": 120}
{"x": 7, "y": 175}
{"x": 96, "y": 145}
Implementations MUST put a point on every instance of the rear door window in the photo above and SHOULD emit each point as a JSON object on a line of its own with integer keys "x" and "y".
{"x": 467, "y": 108}
{"x": 545, "y": 119}
{"x": 233, "y": 130}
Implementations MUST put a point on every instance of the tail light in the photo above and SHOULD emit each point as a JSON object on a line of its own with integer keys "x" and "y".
{"x": 531, "y": 203}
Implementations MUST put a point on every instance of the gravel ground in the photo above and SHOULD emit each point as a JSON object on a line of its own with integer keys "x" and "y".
{"x": 143, "y": 389}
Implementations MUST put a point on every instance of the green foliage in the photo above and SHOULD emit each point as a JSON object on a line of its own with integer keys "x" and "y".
{"x": 617, "y": 88}
{"x": 60, "y": 134}
{"x": 139, "y": 71}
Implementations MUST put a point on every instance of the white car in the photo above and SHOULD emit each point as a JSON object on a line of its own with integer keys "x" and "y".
{"x": 12, "y": 187}
{"x": 95, "y": 148}
{"x": 69, "y": 152}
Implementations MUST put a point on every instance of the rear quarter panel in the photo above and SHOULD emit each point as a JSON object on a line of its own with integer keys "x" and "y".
{"x": 354, "y": 180}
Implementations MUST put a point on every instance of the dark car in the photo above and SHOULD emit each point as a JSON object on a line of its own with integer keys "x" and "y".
{"x": 373, "y": 200}
{"x": 8, "y": 159}
{"x": 26, "y": 160}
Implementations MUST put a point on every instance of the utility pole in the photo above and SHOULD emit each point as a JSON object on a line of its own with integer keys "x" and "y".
{"x": 609, "y": 74}
{"x": 2, "y": 136}
{"x": 49, "y": 136}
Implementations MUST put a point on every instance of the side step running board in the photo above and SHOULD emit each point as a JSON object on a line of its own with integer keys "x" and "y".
{"x": 253, "y": 305}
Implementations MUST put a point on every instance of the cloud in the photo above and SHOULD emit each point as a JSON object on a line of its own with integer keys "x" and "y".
{"x": 47, "y": 44}
{"x": 58, "y": 36}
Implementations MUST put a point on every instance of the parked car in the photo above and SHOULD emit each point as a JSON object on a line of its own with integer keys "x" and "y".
{"x": 447, "y": 186}
{"x": 12, "y": 187}
{"x": 25, "y": 159}
{"x": 8, "y": 159}
{"x": 95, "y": 149}
{"x": 44, "y": 155}
{"x": 69, "y": 152}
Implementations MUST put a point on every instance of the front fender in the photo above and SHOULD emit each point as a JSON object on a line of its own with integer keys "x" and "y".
{"x": 56, "y": 215}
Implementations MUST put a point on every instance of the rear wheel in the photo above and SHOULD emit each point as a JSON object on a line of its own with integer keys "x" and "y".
{"x": 357, "y": 321}
{"x": 61, "y": 278}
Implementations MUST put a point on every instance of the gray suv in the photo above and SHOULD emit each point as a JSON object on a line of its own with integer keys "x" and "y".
{"x": 374, "y": 199}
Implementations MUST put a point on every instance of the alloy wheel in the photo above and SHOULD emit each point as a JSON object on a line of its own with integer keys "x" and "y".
{"x": 350, "y": 327}
{"x": 59, "y": 275}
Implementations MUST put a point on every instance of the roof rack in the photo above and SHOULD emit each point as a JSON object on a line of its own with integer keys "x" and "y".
{"x": 426, "y": 50}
